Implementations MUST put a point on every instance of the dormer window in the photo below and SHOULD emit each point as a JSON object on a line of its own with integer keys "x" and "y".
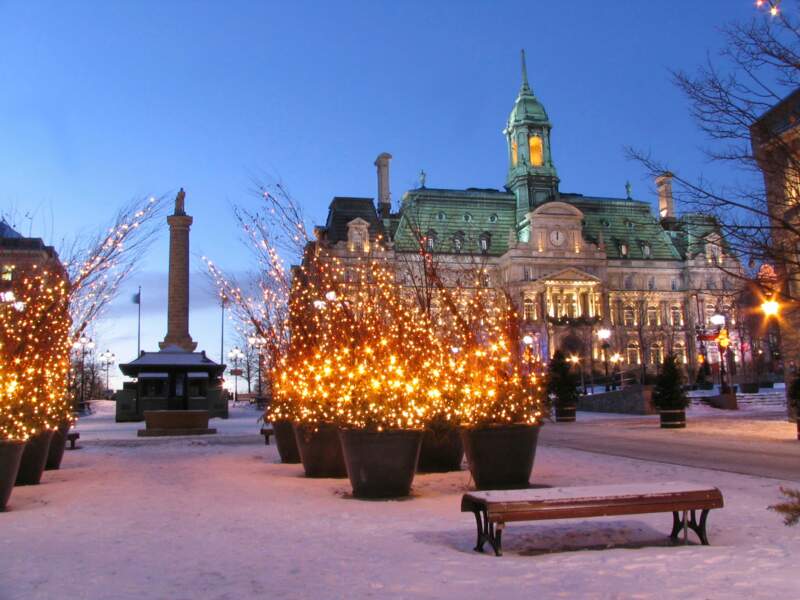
{"x": 458, "y": 241}
{"x": 441, "y": 217}
{"x": 623, "y": 250}
{"x": 628, "y": 223}
{"x": 467, "y": 217}
{"x": 493, "y": 219}
{"x": 484, "y": 242}
{"x": 645, "y": 249}
{"x": 358, "y": 235}
{"x": 430, "y": 240}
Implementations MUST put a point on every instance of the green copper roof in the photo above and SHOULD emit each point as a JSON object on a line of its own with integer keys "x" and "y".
{"x": 448, "y": 215}
{"x": 621, "y": 221}
{"x": 527, "y": 108}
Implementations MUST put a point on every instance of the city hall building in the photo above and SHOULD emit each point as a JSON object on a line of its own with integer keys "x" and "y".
{"x": 574, "y": 263}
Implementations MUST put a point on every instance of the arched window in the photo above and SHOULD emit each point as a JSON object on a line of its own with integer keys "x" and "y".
{"x": 536, "y": 151}
{"x": 632, "y": 353}
{"x": 646, "y": 250}
{"x": 680, "y": 353}
{"x": 677, "y": 315}
{"x": 623, "y": 250}
{"x": 529, "y": 310}
{"x": 656, "y": 353}
{"x": 514, "y": 153}
{"x": 441, "y": 216}
{"x": 467, "y": 217}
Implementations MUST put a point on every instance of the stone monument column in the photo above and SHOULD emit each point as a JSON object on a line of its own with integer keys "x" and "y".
{"x": 178, "y": 303}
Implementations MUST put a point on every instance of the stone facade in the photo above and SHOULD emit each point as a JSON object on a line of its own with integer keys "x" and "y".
{"x": 573, "y": 264}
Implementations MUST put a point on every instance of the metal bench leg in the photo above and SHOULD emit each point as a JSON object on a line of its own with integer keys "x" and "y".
{"x": 481, "y": 531}
{"x": 679, "y": 524}
{"x": 488, "y": 532}
{"x": 700, "y": 528}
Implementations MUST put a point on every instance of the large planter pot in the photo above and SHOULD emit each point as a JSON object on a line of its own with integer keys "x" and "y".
{"x": 501, "y": 457}
{"x": 380, "y": 464}
{"x": 34, "y": 458}
{"x": 320, "y": 450}
{"x": 10, "y": 457}
{"x": 287, "y": 444}
{"x": 442, "y": 450}
{"x": 673, "y": 419}
{"x": 565, "y": 413}
{"x": 749, "y": 388}
{"x": 57, "y": 445}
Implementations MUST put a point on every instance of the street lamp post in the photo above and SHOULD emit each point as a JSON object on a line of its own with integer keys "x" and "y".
{"x": 723, "y": 341}
{"x": 575, "y": 360}
{"x": 258, "y": 342}
{"x": 528, "y": 341}
{"x": 82, "y": 344}
{"x": 235, "y": 355}
{"x": 604, "y": 335}
{"x": 107, "y": 358}
{"x": 615, "y": 360}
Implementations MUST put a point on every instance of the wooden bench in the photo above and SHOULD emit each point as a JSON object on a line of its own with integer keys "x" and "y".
{"x": 73, "y": 436}
{"x": 266, "y": 432}
{"x": 494, "y": 509}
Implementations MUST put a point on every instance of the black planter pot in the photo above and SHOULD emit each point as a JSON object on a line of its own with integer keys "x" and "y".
{"x": 380, "y": 464}
{"x": 10, "y": 457}
{"x": 320, "y": 450}
{"x": 565, "y": 414}
{"x": 442, "y": 450}
{"x": 285, "y": 441}
{"x": 34, "y": 458}
{"x": 673, "y": 419}
{"x": 57, "y": 445}
{"x": 749, "y": 388}
{"x": 501, "y": 457}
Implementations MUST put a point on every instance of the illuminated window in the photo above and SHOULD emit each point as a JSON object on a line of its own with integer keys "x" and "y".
{"x": 677, "y": 316}
{"x": 656, "y": 354}
{"x": 571, "y": 305}
{"x": 7, "y": 273}
{"x": 535, "y": 148}
{"x": 514, "y": 153}
{"x": 628, "y": 316}
{"x": 680, "y": 353}
{"x": 652, "y": 316}
{"x": 632, "y": 353}
{"x": 529, "y": 310}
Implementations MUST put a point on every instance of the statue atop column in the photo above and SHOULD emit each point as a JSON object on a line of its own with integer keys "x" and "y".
{"x": 179, "y": 200}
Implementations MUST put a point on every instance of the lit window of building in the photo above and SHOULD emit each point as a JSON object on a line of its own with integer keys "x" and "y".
{"x": 535, "y": 148}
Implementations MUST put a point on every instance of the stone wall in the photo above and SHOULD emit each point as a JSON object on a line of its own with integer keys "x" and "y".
{"x": 633, "y": 399}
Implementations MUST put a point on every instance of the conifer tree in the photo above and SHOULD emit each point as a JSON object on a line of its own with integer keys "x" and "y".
{"x": 668, "y": 393}
{"x": 561, "y": 381}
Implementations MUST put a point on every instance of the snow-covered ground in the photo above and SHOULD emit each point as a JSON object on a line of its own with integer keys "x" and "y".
{"x": 219, "y": 518}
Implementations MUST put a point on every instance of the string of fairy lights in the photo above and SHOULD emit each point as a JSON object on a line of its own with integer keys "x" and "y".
{"x": 46, "y": 307}
{"x": 348, "y": 344}
{"x": 772, "y": 6}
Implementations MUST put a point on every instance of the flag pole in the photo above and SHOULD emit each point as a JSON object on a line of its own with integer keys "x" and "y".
{"x": 139, "y": 328}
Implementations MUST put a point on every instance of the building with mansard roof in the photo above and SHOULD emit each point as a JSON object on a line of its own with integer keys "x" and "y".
{"x": 574, "y": 263}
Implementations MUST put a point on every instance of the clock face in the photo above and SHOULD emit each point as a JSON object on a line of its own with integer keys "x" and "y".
{"x": 557, "y": 237}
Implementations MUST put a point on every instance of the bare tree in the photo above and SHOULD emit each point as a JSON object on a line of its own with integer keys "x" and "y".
{"x": 731, "y": 97}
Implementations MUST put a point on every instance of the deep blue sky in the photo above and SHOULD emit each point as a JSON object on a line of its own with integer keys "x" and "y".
{"x": 105, "y": 101}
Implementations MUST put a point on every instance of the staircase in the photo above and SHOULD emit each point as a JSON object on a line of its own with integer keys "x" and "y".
{"x": 765, "y": 399}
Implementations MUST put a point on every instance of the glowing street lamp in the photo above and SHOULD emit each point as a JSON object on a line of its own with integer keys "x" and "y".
{"x": 770, "y": 308}
{"x": 603, "y": 335}
{"x": 235, "y": 355}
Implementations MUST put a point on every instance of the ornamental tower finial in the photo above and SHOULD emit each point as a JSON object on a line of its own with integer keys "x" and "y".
{"x": 525, "y": 86}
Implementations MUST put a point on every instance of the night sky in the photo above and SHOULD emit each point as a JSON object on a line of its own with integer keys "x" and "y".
{"x": 106, "y": 101}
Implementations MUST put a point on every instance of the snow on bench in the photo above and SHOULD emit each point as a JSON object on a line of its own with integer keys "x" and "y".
{"x": 494, "y": 509}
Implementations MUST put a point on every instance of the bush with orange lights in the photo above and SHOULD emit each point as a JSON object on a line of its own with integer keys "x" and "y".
{"x": 34, "y": 353}
{"x": 363, "y": 355}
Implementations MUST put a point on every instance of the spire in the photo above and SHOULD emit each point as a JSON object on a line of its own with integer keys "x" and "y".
{"x": 525, "y": 87}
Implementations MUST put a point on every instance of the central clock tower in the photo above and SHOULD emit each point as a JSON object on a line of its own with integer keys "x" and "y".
{"x": 531, "y": 175}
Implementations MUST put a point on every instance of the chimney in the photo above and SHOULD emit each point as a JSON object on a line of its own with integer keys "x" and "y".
{"x": 384, "y": 195}
{"x": 666, "y": 207}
